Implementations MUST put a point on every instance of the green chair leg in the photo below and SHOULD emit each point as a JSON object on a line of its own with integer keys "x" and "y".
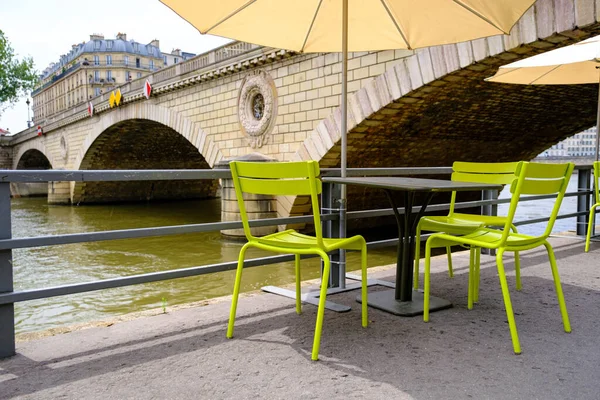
{"x": 417, "y": 257}
{"x": 558, "y": 288}
{"x": 236, "y": 291}
{"x": 517, "y": 262}
{"x": 449, "y": 254}
{"x": 321, "y": 309}
{"x": 588, "y": 237}
{"x": 298, "y": 288}
{"x": 519, "y": 285}
{"x": 363, "y": 266}
{"x": 507, "y": 303}
{"x": 472, "y": 278}
{"x": 477, "y": 274}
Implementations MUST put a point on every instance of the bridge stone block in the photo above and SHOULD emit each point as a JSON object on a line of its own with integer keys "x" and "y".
{"x": 59, "y": 193}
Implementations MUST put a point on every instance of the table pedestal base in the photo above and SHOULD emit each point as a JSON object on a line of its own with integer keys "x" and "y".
{"x": 384, "y": 300}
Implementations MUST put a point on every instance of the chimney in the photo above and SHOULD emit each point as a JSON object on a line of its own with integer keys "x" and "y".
{"x": 155, "y": 43}
{"x": 96, "y": 36}
{"x": 176, "y": 52}
{"x": 122, "y": 36}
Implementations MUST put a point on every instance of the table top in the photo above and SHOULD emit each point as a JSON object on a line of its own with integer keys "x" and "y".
{"x": 411, "y": 184}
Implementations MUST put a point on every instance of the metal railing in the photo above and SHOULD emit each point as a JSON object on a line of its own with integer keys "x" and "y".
{"x": 8, "y": 296}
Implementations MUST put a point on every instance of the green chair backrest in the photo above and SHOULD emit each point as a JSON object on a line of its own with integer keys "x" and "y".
{"x": 499, "y": 173}
{"x": 539, "y": 179}
{"x": 277, "y": 178}
{"x": 596, "y": 176}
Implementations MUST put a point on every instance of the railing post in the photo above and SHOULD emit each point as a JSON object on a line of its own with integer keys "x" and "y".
{"x": 7, "y": 311}
{"x": 584, "y": 179}
{"x": 490, "y": 210}
{"x": 332, "y": 229}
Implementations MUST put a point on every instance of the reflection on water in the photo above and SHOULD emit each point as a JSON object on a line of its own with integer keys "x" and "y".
{"x": 58, "y": 265}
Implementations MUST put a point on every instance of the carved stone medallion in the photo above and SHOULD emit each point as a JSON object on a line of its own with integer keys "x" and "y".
{"x": 257, "y": 108}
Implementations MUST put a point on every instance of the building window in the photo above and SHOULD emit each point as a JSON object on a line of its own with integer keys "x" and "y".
{"x": 109, "y": 60}
{"x": 97, "y": 91}
{"x": 151, "y": 64}
{"x": 97, "y": 44}
{"x": 96, "y": 76}
{"x": 139, "y": 74}
{"x": 109, "y": 44}
{"x": 96, "y": 60}
{"x": 135, "y": 47}
{"x": 165, "y": 60}
{"x": 126, "y": 60}
{"x": 108, "y": 75}
{"x": 127, "y": 76}
{"x": 175, "y": 60}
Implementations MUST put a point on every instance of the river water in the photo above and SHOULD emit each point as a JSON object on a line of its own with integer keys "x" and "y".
{"x": 85, "y": 262}
{"x": 58, "y": 265}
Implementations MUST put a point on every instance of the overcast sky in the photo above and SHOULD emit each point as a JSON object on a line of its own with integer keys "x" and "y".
{"x": 45, "y": 29}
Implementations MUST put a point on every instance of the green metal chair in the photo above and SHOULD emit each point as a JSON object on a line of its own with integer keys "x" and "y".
{"x": 461, "y": 223}
{"x": 593, "y": 208}
{"x": 291, "y": 178}
{"x": 530, "y": 179}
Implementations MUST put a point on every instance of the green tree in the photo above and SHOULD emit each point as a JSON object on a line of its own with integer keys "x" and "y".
{"x": 16, "y": 77}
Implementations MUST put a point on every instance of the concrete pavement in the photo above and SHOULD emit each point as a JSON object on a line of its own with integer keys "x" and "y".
{"x": 459, "y": 354}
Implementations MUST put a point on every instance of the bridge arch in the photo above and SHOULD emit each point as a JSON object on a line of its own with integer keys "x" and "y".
{"x": 434, "y": 107}
{"x": 144, "y": 136}
{"x": 32, "y": 155}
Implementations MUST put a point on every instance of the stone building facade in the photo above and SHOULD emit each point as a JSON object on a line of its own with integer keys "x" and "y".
{"x": 582, "y": 144}
{"x": 90, "y": 69}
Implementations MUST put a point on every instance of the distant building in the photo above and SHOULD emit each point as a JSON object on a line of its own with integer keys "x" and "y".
{"x": 175, "y": 56}
{"x": 91, "y": 69}
{"x": 582, "y": 144}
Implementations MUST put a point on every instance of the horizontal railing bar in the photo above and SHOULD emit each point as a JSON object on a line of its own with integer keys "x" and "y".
{"x": 388, "y": 171}
{"x": 111, "y": 175}
{"x": 181, "y": 174}
{"x": 36, "y": 294}
{"x": 545, "y": 219}
{"x": 72, "y": 238}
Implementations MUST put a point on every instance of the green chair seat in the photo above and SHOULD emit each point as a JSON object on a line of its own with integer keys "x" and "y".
{"x": 463, "y": 223}
{"x": 291, "y": 179}
{"x": 291, "y": 239}
{"x": 530, "y": 179}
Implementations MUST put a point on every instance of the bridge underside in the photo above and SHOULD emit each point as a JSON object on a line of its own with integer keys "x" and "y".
{"x": 460, "y": 117}
{"x": 142, "y": 144}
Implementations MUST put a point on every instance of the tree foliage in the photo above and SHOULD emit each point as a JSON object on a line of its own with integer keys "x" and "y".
{"x": 16, "y": 77}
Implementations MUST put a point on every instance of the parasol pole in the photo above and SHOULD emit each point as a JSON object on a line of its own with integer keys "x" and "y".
{"x": 598, "y": 117}
{"x": 344, "y": 90}
{"x": 344, "y": 145}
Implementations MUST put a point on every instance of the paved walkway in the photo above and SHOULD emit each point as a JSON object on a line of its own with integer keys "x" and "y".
{"x": 459, "y": 354}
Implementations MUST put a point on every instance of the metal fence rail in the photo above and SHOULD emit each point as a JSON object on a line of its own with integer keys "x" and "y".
{"x": 8, "y": 296}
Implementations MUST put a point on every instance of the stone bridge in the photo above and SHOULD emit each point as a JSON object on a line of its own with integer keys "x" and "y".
{"x": 427, "y": 107}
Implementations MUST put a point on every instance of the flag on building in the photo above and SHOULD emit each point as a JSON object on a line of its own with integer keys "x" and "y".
{"x": 91, "y": 108}
{"x": 40, "y": 132}
{"x": 147, "y": 89}
{"x": 118, "y": 97}
{"x": 3, "y": 132}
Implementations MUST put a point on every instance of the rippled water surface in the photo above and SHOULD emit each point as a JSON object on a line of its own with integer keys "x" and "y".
{"x": 59, "y": 265}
